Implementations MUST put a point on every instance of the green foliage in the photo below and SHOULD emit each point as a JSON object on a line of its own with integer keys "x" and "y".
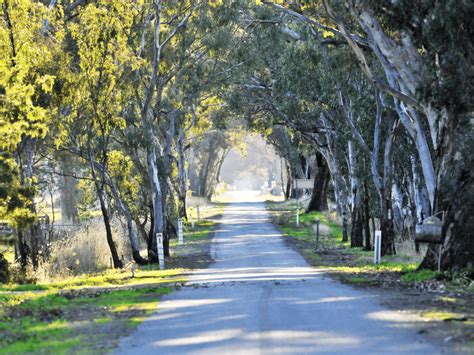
{"x": 4, "y": 270}
{"x": 26, "y": 84}
{"x": 419, "y": 275}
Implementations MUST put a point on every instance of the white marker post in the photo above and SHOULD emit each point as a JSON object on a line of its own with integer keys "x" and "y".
{"x": 377, "y": 247}
{"x": 159, "y": 247}
{"x": 192, "y": 221}
{"x": 180, "y": 231}
{"x": 298, "y": 217}
{"x": 199, "y": 214}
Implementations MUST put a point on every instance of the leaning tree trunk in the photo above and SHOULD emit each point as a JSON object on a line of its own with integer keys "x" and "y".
{"x": 319, "y": 198}
{"x": 117, "y": 263}
{"x": 132, "y": 236}
{"x": 455, "y": 194}
{"x": 182, "y": 178}
{"x": 100, "y": 189}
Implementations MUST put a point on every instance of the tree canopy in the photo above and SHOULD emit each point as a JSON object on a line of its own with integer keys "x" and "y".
{"x": 147, "y": 97}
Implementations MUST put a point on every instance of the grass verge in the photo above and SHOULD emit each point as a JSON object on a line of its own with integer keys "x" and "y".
{"x": 444, "y": 301}
{"x": 89, "y": 313}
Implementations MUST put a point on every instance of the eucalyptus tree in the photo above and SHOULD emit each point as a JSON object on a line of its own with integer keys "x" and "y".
{"x": 424, "y": 54}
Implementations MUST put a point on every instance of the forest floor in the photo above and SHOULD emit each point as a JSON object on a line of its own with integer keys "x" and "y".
{"x": 89, "y": 313}
{"x": 444, "y": 301}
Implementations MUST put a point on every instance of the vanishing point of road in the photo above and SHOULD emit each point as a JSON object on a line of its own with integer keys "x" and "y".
{"x": 261, "y": 297}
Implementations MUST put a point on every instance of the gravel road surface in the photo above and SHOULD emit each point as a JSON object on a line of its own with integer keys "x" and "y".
{"x": 261, "y": 297}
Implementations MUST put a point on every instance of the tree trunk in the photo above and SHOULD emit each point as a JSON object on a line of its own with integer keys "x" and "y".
{"x": 132, "y": 236}
{"x": 288, "y": 181}
{"x": 99, "y": 186}
{"x": 319, "y": 200}
{"x": 367, "y": 218}
{"x": 67, "y": 191}
{"x": 357, "y": 225}
{"x": 357, "y": 213}
{"x": 386, "y": 218}
{"x": 117, "y": 263}
{"x": 455, "y": 194}
{"x": 31, "y": 239}
{"x": 22, "y": 250}
{"x": 158, "y": 219}
{"x": 4, "y": 270}
{"x": 182, "y": 178}
{"x": 151, "y": 241}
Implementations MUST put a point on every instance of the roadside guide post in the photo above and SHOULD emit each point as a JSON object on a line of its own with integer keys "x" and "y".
{"x": 298, "y": 217}
{"x": 192, "y": 221}
{"x": 180, "y": 231}
{"x": 159, "y": 247}
{"x": 377, "y": 247}
{"x": 199, "y": 214}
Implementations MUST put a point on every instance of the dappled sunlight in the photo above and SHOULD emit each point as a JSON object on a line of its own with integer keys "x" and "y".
{"x": 305, "y": 338}
{"x": 261, "y": 297}
{"x": 254, "y": 274}
{"x": 192, "y": 303}
{"x": 329, "y": 300}
{"x": 393, "y": 316}
{"x": 202, "y": 338}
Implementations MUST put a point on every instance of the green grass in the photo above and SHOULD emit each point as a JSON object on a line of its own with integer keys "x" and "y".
{"x": 144, "y": 275}
{"x": 55, "y": 323}
{"x": 199, "y": 232}
{"x": 358, "y": 261}
{"x": 419, "y": 275}
{"x": 357, "y": 280}
{"x": 383, "y": 267}
{"x": 79, "y": 313}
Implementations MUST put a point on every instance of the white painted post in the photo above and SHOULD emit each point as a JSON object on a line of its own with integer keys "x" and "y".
{"x": 180, "y": 231}
{"x": 199, "y": 214}
{"x": 377, "y": 247}
{"x": 159, "y": 247}
{"x": 192, "y": 221}
{"x": 298, "y": 217}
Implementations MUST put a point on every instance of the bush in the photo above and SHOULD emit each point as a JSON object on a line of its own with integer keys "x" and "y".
{"x": 4, "y": 270}
{"x": 83, "y": 251}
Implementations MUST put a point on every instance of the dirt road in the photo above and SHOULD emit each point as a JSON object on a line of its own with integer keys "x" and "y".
{"x": 260, "y": 297}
